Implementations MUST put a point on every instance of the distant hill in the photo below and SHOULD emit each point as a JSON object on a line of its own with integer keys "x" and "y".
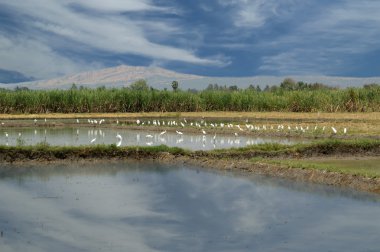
{"x": 160, "y": 78}
{"x": 119, "y": 76}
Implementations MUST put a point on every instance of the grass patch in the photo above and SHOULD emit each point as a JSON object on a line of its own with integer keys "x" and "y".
{"x": 47, "y": 152}
{"x": 321, "y": 147}
{"x": 324, "y": 148}
{"x": 369, "y": 168}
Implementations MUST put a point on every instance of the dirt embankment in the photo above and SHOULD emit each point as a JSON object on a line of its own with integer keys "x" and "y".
{"x": 297, "y": 174}
{"x": 209, "y": 161}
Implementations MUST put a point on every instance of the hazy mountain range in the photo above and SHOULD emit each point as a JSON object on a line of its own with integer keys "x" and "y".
{"x": 161, "y": 78}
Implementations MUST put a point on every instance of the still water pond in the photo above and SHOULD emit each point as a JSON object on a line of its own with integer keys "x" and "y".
{"x": 71, "y": 136}
{"x": 128, "y": 206}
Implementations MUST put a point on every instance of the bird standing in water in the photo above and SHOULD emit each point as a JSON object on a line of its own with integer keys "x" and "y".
{"x": 120, "y": 139}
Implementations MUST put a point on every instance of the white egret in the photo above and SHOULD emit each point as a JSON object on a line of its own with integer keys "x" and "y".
{"x": 179, "y": 132}
{"x": 93, "y": 140}
{"x": 35, "y": 121}
{"x": 236, "y": 134}
{"x": 183, "y": 125}
{"x": 334, "y": 130}
{"x": 149, "y": 136}
{"x": 163, "y": 132}
{"x": 138, "y": 121}
{"x": 345, "y": 131}
{"x": 204, "y": 132}
{"x": 77, "y": 120}
{"x": 149, "y": 143}
{"x": 120, "y": 139}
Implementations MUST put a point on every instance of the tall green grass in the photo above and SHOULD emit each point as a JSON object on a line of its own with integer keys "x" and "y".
{"x": 127, "y": 100}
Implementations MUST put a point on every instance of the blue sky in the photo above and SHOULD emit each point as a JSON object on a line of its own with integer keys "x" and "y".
{"x": 49, "y": 38}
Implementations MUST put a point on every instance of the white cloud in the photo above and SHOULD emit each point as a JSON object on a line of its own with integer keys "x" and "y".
{"x": 110, "y": 30}
{"x": 255, "y": 13}
{"x": 321, "y": 43}
{"x": 34, "y": 58}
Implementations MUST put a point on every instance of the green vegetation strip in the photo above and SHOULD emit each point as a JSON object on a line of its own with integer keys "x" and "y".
{"x": 367, "y": 168}
{"x": 329, "y": 147}
{"x": 312, "y": 98}
{"x": 46, "y": 152}
{"x": 326, "y": 147}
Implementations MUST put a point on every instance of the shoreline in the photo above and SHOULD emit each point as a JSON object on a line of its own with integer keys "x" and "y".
{"x": 350, "y": 181}
{"x": 225, "y": 160}
{"x": 372, "y": 116}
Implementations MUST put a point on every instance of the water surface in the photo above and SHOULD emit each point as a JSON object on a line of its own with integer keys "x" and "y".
{"x": 129, "y": 206}
{"x": 74, "y": 136}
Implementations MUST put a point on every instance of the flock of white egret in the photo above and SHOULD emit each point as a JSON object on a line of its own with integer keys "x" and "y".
{"x": 205, "y": 128}
{"x": 202, "y": 124}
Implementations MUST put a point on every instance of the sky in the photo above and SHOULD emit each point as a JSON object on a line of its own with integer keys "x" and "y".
{"x": 42, "y": 39}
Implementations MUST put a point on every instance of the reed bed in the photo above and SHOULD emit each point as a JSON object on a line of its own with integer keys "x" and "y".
{"x": 126, "y": 100}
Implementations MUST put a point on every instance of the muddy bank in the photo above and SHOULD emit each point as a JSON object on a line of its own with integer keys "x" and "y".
{"x": 306, "y": 175}
{"x": 221, "y": 161}
{"x": 326, "y": 148}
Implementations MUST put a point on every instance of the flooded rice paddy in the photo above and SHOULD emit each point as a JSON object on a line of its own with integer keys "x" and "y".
{"x": 130, "y": 206}
{"x": 75, "y": 136}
